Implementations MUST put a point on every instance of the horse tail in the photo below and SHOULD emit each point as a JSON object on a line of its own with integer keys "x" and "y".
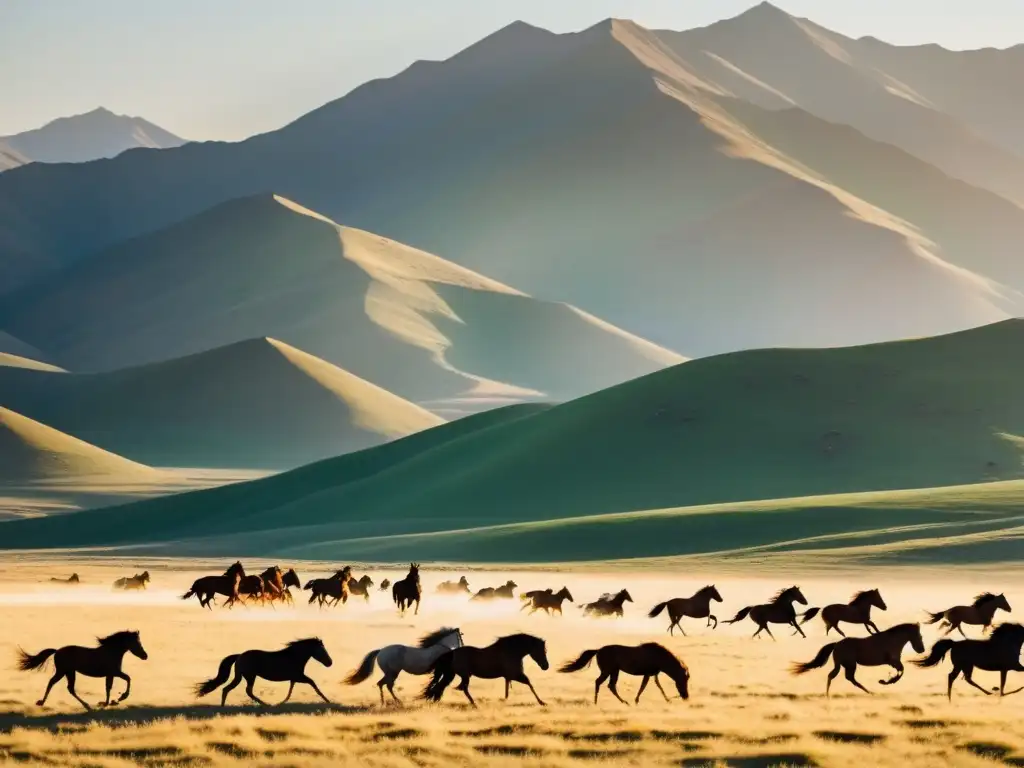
{"x": 935, "y": 618}
{"x": 583, "y": 661}
{"x": 818, "y": 661}
{"x": 809, "y": 614}
{"x": 657, "y": 609}
{"x": 27, "y": 662}
{"x": 222, "y": 676}
{"x": 442, "y": 677}
{"x": 739, "y": 616}
{"x": 939, "y": 651}
{"x": 364, "y": 669}
{"x": 313, "y": 595}
{"x": 190, "y": 593}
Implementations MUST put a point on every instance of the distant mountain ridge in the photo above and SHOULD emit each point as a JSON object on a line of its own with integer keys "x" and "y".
{"x": 93, "y": 135}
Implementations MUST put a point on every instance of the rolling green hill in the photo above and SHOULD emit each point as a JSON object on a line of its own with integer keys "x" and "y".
{"x": 749, "y": 426}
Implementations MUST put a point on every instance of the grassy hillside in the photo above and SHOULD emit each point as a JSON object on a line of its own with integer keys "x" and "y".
{"x": 411, "y": 322}
{"x": 31, "y": 452}
{"x": 767, "y": 424}
{"x": 259, "y": 403}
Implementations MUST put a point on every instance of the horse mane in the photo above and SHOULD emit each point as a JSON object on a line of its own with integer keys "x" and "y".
{"x": 909, "y": 626}
{"x": 983, "y": 598}
{"x": 428, "y": 641}
{"x": 116, "y": 639}
{"x": 861, "y": 595}
{"x": 781, "y": 593}
{"x": 671, "y": 658}
{"x": 705, "y": 590}
{"x": 1007, "y": 630}
{"x": 304, "y": 642}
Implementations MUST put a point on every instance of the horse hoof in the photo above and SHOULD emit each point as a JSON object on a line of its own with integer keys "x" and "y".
{"x": 40, "y": 703}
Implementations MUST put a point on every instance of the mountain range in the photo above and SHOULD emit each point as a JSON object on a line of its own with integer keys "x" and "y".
{"x": 551, "y": 281}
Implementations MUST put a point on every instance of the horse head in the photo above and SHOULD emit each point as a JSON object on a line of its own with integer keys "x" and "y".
{"x": 291, "y": 579}
{"x": 682, "y": 681}
{"x": 1001, "y": 602}
{"x": 791, "y": 595}
{"x": 236, "y": 569}
{"x": 144, "y": 578}
{"x": 916, "y": 641}
{"x": 538, "y": 651}
{"x": 625, "y": 596}
{"x": 713, "y": 593}
{"x": 463, "y": 582}
{"x": 320, "y": 653}
{"x": 565, "y": 594}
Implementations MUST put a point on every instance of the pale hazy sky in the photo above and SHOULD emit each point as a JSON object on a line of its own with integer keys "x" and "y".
{"x": 225, "y": 69}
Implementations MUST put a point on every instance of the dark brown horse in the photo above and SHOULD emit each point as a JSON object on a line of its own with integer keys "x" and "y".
{"x": 206, "y": 587}
{"x": 361, "y": 587}
{"x": 607, "y": 605}
{"x": 138, "y": 581}
{"x": 333, "y": 589}
{"x": 779, "y": 611}
{"x": 696, "y": 607}
{"x": 289, "y": 579}
{"x": 273, "y": 582}
{"x": 546, "y": 600}
{"x": 1000, "y": 652}
{"x": 857, "y": 611}
{"x": 880, "y": 649}
{"x": 385, "y": 584}
{"x": 407, "y": 591}
{"x": 252, "y": 587}
{"x": 980, "y": 612}
{"x": 502, "y": 659}
{"x": 505, "y": 592}
{"x": 454, "y": 587}
{"x": 72, "y": 579}
{"x": 72, "y": 660}
{"x": 288, "y": 664}
{"x": 647, "y": 661}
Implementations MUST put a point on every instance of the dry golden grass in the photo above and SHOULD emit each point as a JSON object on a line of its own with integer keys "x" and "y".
{"x": 745, "y": 709}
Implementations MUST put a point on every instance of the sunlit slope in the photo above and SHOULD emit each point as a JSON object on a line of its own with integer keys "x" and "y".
{"x": 31, "y": 452}
{"x": 757, "y": 425}
{"x": 259, "y": 403}
{"x": 402, "y": 318}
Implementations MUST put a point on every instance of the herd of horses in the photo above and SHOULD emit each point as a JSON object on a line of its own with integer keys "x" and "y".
{"x": 444, "y": 656}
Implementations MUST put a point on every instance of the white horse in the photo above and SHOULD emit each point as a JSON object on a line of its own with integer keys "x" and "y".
{"x": 395, "y": 659}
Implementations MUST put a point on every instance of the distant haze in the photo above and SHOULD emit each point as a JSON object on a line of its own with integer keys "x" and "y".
{"x": 230, "y": 69}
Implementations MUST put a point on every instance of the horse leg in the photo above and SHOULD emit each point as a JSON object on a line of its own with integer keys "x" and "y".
{"x": 71, "y": 689}
{"x": 522, "y": 678}
{"x": 597, "y": 684}
{"x": 58, "y": 675}
{"x": 417, "y": 607}
{"x": 768, "y": 630}
{"x": 968, "y": 672}
{"x": 872, "y": 626}
{"x": 127, "y": 686}
{"x": 110, "y": 684}
{"x": 851, "y": 669}
{"x": 797, "y": 627}
{"x": 250, "y": 681}
{"x": 657, "y": 682}
{"x": 291, "y": 687}
{"x": 643, "y": 684}
{"x": 960, "y": 629}
{"x": 837, "y": 629}
{"x": 832, "y": 676}
{"x": 712, "y": 617}
{"x": 508, "y": 687}
{"x": 613, "y": 680}
{"x": 231, "y": 686}
{"x": 380, "y": 685}
{"x": 952, "y": 676}
{"x": 1002, "y": 682}
{"x": 309, "y": 681}
{"x": 391, "y": 688}
{"x": 464, "y": 687}
{"x": 898, "y": 666}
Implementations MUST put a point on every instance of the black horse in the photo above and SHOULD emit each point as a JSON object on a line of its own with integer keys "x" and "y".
{"x": 104, "y": 661}
{"x": 287, "y": 664}
{"x": 407, "y": 591}
{"x": 503, "y": 658}
{"x": 1000, "y": 653}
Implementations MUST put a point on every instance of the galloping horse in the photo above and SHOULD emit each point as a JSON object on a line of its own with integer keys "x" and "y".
{"x": 502, "y": 659}
{"x": 607, "y": 605}
{"x": 779, "y": 611}
{"x": 361, "y": 586}
{"x": 648, "y": 661}
{"x": 138, "y": 581}
{"x": 395, "y": 659}
{"x": 273, "y": 582}
{"x": 72, "y": 579}
{"x": 980, "y": 612}
{"x": 385, "y": 584}
{"x": 881, "y": 648}
{"x": 252, "y": 586}
{"x": 104, "y": 661}
{"x": 454, "y": 587}
{"x": 505, "y": 592}
{"x": 287, "y": 664}
{"x": 696, "y": 607}
{"x": 546, "y": 600}
{"x": 226, "y": 584}
{"x": 407, "y": 591}
{"x": 857, "y": 611}
{"x": 1000, "y": 652}
{"x": 334, "y": 586}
